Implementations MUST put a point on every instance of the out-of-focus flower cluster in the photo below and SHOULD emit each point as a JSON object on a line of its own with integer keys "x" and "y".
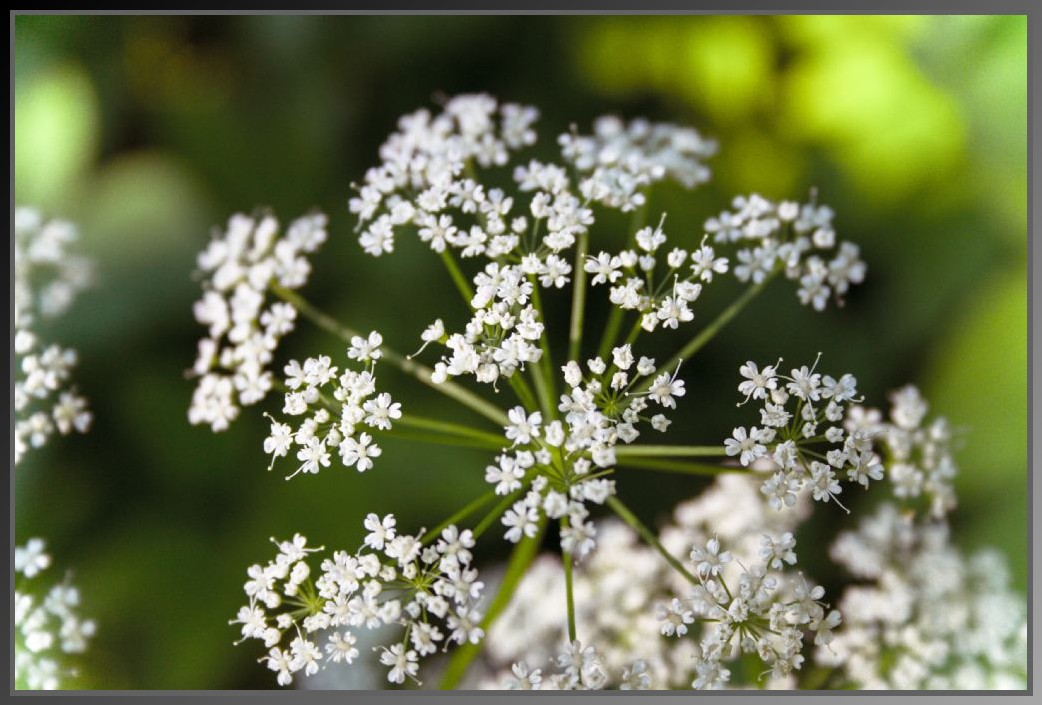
{"x": 47, "y": 625}
{"x": 48, "y": 276}
{"x": 917, "y": 451}
{"x": 620, "y": 160}
{"x": 923, "y": 615}
{"x": 424, "y": 585}
{"x": 241, "y": 267}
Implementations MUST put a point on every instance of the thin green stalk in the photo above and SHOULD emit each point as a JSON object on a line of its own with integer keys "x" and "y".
{"x": 438, "y": 439}
{"x": 523, "y": 392}
{"x": 542, "y": 391}
{"x": 449, "y": 428}
{"x": 459, "y": 516}
{"x": 643, "y": 451}
{"x": 649, "y": 536}
{"x": 457, "y": 275}
{"x": 634, "y": 333}
{"x": 566, "y": 558}
{"x": 578, "y": 297}
{"x": 543, "y": 374}
{"x": 414, "y": 369}
{"x": 682, "y": 467}
{"x": 707, "y": 333}
{"x": 611, "y": 331}
{"x": 497, "y": 510}
{"x": 520, "y": 559}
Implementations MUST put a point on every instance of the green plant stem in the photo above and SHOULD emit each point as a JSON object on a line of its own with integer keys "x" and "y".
{"x": 437, "y": 439}
{"x": 457, "y": 275}
{"x": 566, "y": 559}
{"x": 707, "y": 333}
{"x": 644, "y": 451}
{"x": 611, "y": 331}
{"x": 450, "y": 389}
{"x": 520, "y": 559}
{"x": 459, "y": 516}
{"x": 523, "y": 392}
{"x": 575, "y": 330}
{"x": 497, "y": 510}
{"x": 649, "y": 536}
{"x": 451, "y": 429}
{"x": 543, "y": 374}
{"x": 682, "y": 467}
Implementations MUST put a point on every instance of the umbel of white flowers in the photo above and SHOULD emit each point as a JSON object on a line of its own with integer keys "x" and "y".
{"x": 725, "y": 589}
{"x": 47, "y": 277}
{"x": 47, "y": 626}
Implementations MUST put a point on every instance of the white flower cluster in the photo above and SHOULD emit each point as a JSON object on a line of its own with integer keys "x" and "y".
{"x": 423, "y": 178}
{"x": 791, "y": 237}
{"x": 918, "y": 454}
{"x": 660, "y": 300}
{"x": 334, "y": 406}
{"x": 428, "y": 589}
{"x": 802, "y": 438}
{"x": 618, "y": 161}
{"x": 47, "y": 278}
{"x": 579, "y": 668}
{"x": 762, "y": 613}
{"x": 240, "y": 266}
{"x": 502, "y": 335}
{"x": 45, "y": 629}
{"x": 646, "y": 619}
{"x": 564, "y": 463}
{"x": 925, "y": 616}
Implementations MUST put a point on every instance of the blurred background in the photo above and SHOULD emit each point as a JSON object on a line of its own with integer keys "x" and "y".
{"x": 149, "y": 131}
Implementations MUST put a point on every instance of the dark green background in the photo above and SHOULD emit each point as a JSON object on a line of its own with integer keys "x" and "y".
{"x": 149, "y": 131}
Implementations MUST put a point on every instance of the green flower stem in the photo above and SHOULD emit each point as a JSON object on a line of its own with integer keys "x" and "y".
{"x": 710, "y": 331}
{"x": 542, "y": 391}
{"x": 457, "y": 275}
{"x": 414, "y": 369}
{"x": 520, "y": 559}
{"x": 523, "y": 392}
{"x": 649, "y": 536}
{"x": 611, "y": 331}
{"x": 543, "y": 373}
{"x": 436, "y": 439}
{"x": 682, "y": 467}
{"x": 497, "y": 510}
{"x": 459, "y": 516}
{"x": 490, "y": 440}
{"x": 643, "y": 451}
{"x": 566, "y": 559}
{"x": 578, "y": 297}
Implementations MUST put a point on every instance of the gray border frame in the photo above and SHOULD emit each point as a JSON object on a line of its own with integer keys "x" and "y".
{"x": 615, "y": 7}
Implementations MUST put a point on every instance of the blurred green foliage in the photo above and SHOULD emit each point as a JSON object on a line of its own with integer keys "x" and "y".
{"x": 149, "y": 131}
